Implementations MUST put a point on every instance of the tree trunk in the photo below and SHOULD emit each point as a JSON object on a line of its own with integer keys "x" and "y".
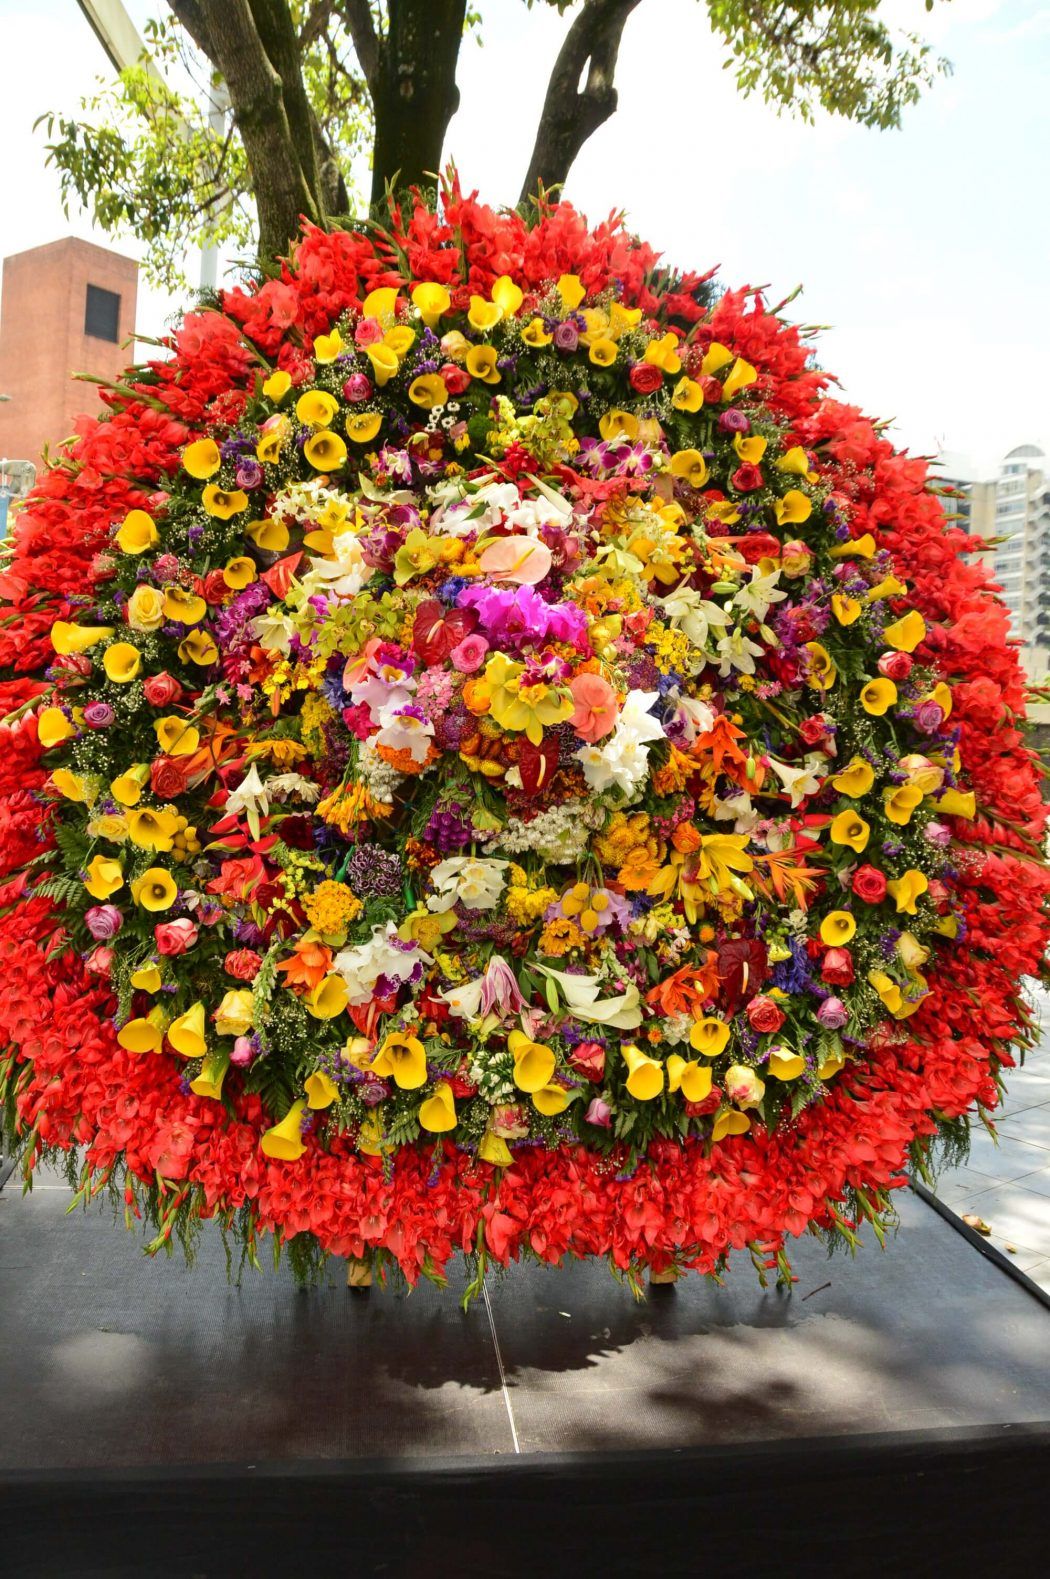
{"x": 252, "y": 44}
{"x": 571, "y": 114}
{"x": 414, "y": 93}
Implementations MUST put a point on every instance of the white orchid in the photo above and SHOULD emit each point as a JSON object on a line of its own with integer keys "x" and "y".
{"x": 738, "y": 809}
{"x": 383, "y": 955}
{"x": 252, "y": 797}
{"x": 343, "y": 574}
{"x": 474, "y": 881}
{"x": 693, "y": 717}
{"x": 404, "y": 728}
{"x": 622, "y": 1013}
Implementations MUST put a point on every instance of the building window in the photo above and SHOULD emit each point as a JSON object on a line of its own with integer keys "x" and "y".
{"x": 102, "y": 314}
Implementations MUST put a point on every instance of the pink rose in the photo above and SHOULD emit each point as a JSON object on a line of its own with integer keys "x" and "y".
{"x": 161, "y": 690}
{"x": 896, "y": 665}
{"x": 368, "y": 332}
{"x": 599, "y": 1113}
{"x": 175, "y": 937}
{"x": 469, "y": 654}
{"x": 588, "y": 1058}
{"x": 100, "y": 961}
{"x": 358, "y": 387}
{"x": 597, "y": 707}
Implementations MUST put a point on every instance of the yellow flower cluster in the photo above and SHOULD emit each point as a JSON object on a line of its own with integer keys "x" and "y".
{"x": 331, "y": 907}
{"x": 525, "y": 903}
{"x": 314, "y": 714}
{"x": 560, "y": 936}
{"x": 345, "y": 807}
{"x": 672, "y": 647}
{"x": 623, "y": 835}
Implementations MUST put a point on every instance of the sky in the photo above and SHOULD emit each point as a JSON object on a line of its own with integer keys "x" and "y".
{"x": 923, "y": 251}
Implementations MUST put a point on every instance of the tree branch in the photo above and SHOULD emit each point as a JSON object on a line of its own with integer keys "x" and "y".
{"x": 571, "y": 115}
{"x": 357, "y": 14}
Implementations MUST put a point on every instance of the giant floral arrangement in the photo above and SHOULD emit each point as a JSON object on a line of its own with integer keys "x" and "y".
{"x": 500, "y": 762}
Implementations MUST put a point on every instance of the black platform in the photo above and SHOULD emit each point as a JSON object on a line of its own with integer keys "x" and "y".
{"x": 894, "y": 1408}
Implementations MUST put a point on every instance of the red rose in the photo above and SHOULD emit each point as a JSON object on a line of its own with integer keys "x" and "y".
{"x": 763, "y": 1014}
{"x": 175, "y": 937}
{"x": 814, "y": 729}
{"x": 837, "y": 969}
{"x": 869, "y": 884}
{"x": 214, "y": 589}
{"x": 712, "y": 388}
{"x": 645, "y": 378}
{"x": 588, "y": 1059}
{"x": 161, "y": 690}
{"x": 242, "y": 964}
{"x": 896, "y": 665}
{"x": 759, "y": 545}
{"x": 747, "y": 478}
{"x": 166, "y": 778}
{"x": 455, "y": 379}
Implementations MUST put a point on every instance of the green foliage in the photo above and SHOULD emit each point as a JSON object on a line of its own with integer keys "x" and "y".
{"x": 805, "y": 55}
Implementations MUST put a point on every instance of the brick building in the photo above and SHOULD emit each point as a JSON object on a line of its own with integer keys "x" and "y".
{"x": 66, "y": 308}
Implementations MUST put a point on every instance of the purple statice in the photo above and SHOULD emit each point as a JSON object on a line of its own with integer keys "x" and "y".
{"x": 374, "y": 873}
{"x": 232, "y": 449}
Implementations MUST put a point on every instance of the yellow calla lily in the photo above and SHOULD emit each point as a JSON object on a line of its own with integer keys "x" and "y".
{"x": 283, "y": 1142}
{"x": 878, "y": 696}
{"x": 688, "y": 395}
{"x": 855, "y": 779}
{"x": 431, "y": 301}
{"x": 571, "y": 291}
{"x": 690, "y": 466}
{"x": 603, "y": 353}
{"x": 104, "y": 877}
{"x": 404, "y": 1058}
{"x": 380, "y": 303}
{"x": 822, "y": 671}
{"x": 709, "y": 1036}
{"x": 327, "y": 347}
{"x": 325, "y": 451}
{"x": 209, "y": 1082}
{"x": 507, "y": 296}
{"x": 645, "y": 1079}
{"x": 321, "y": 1090}
{"x": 794, "y": 461}
{"x": 784, "y": 1064}
{"x": 741, "y": 376}
{"x": 239, "y": 572}
{"x": 906, "y": 633}
{"x": 794, "y": 508}
{"x": 223, "y": 503}
{"x": 494, "y": 1149}
{"x": 428, "y": 391}
{"x": 716, "y": 357}
{"x": 437, "y": 1114}
{"x": 327, "y": 999}
{"x": 363, "y": 426}
{"x": 202, "y": 459}
{"x": 316, "y": 408}
{"x": 198, "y": 647}
{"x": 837, "y": 928}
{"x": 958, "y": 803}
{"x": 483, "y": 315}
{"x": 691, "y": 1078}
{"x": 906, "y": 889}
{"x": 277, "y": 385}
{"x": 74, "y": 786}
{"x": 899, "y": 801}
{"x": 481, "y": 364}
{"x": 400, "y": 340}
{"x": 750, "y": 447}
{"x": 551, "y": 1100}
{"x": 186, "y": 1034}
{"x": 146, "y": 979}
{"x": 176, "y": 737}
{"x": 533, "y": 1062}
{"x": 152, "y": 829}
{"x": 846, "y": 609}
{"x": 850, "y": 829}
{"x": 857, "y": 548}
{"x": 155, "y": 890}
{"x": 618, "y": 424}
{"x": 730, "y": 1122}
{"x": 183, "y": 607}
{"x": 52, "y": 727}
{"x": 535, "y": 335}
{"x": 67, "y": 638}
{"x": 144, "y": 1035}
{"x": 271, "y": 536}
{"x": 384, "y": 362}
{"x": 137, "y": 533}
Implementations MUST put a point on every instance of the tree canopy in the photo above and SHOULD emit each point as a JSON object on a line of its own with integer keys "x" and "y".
{"x": 316, "y": 85}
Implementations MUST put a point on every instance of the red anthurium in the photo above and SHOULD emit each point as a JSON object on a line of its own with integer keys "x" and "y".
{"x": 537, "y": 764}
{"x": 438, "y": 629}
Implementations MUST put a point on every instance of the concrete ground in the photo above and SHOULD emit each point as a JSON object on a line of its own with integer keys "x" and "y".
{"x": 1007, "y": 1185}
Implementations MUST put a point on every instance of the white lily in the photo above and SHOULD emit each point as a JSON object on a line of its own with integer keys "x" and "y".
{"x": 736, "y": 651}
{"x": 800, "y": 779}
{"x": 757, "y": 595}
{"x": 286, "y": 786}
{"x": 273, "y": 632}
{"x": 622, "y": 1013}
{"x": 696, "y": 615}
{"x": 251, "y": 796}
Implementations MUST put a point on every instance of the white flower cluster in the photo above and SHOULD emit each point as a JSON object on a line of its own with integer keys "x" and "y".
{"x": 560, "y": 834}
{"x": 378, "y": 777}
{"x": 309, "y": 500}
